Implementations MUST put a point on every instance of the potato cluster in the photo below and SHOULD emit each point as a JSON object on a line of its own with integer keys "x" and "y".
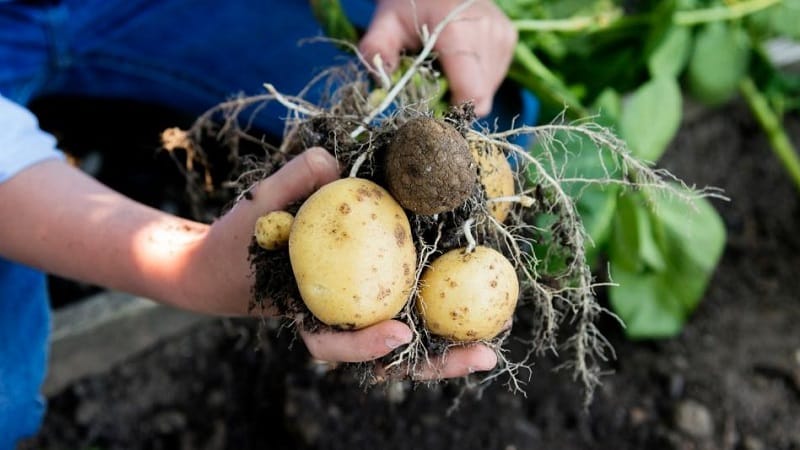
{"x": 354, "y": 256}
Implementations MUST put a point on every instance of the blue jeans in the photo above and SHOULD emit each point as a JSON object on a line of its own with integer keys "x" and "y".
{"x": 188, "y": 55}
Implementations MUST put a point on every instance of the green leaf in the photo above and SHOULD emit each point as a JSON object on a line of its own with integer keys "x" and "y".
{"x": 645, "y": 304}
{"x": 651, "y": 117}
{"x": 697, "y": 236}
{"x": 719, "y": 62}
{"x": 634, "y": 244}
{"x": 785, "y": 19}
{"x": 780, "y": 20}
{"x": 671, "y": 54}
{"x": 624, "y": 245}
{"x": 655, "y": 302}
{"x": 608, "y": 106}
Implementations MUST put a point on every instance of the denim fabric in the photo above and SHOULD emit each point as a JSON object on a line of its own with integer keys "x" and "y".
{"x": 24, "y": 328}
{"x": 188, "y": 55}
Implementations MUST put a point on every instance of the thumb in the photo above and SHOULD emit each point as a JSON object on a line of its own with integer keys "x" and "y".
{"x": 386, "y": 36}
{"x": 296, "y": 180}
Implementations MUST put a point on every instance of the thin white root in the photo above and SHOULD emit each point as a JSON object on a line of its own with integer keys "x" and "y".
{"x": 357, "y": 164}
{"x": 524, "y": 200}
{"x": 467, "y": 228}
{"x": 292, "y": 106}
{"x": 383, "y": 77}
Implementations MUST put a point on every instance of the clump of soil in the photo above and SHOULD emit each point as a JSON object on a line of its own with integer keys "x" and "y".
{"x": 429, "y": 168}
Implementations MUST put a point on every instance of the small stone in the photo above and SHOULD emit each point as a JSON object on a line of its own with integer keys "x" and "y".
{"x": 752, "y": 443}
{"x": 638, "y": 416}
{"x": 694, "y": 419}
{"x": 396, "y": 391}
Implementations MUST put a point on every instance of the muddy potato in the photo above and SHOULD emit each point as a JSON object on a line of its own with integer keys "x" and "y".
{"x": 352, "y": 254}
{"x": 495, "y": 175}
{"x": 468, "y": 296}
{"x": 272, "y": 229}
{"x": 429, "y": 169}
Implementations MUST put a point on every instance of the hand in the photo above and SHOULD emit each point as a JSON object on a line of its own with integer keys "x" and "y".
{"x": 378, "y": 340}
{"x": 475, "y": 49}
{"x": 295, "y": 181}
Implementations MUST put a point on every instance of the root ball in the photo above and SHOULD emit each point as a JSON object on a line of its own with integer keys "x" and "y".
{"x": 429, "y": 168}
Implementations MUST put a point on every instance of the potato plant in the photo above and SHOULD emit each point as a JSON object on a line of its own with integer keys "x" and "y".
{"x": 431, "y": 225}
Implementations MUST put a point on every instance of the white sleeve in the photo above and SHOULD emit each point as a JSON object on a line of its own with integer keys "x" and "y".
{"x": 22, "y": 143}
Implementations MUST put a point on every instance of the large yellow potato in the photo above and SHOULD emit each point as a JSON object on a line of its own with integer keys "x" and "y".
{"x": 495, "y": 175}
{"x": 468, "y": 296}
{"x": 352, "y": 254}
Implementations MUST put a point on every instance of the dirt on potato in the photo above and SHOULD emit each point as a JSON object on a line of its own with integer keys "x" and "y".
{"x": 429, "y": 168}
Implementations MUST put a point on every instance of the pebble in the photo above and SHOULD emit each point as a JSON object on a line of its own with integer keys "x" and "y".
{"x": 694, "y": 419}
{"x": 753, "y": 443}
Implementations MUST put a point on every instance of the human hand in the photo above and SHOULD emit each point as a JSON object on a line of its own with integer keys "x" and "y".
{"x": 475, "y": 49}
{"x": 378, "y": 340}
{"x": 299, "y": 178}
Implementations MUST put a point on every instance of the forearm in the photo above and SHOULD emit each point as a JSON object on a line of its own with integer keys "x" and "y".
{"x": 62, "y": 221}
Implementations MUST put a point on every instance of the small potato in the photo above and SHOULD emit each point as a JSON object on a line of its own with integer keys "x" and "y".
{"x": 468, "y": 296}
{"x": 272, "y": 229}
{"x": 495, "y": 175}
{"x": 352, "y": 254}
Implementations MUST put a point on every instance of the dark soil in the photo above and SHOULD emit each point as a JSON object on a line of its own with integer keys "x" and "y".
{"x": 731, "y": 380}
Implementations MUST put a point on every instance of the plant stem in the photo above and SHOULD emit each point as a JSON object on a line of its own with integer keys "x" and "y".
{"x": 771, "y": 123}
{"x": 583, "y": 24}
{"x": 544, "y": 82}
{"x": 572, "y": 24}
{"x": 721, "y": 13}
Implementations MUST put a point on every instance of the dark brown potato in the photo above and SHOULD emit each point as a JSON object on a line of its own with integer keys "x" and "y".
{"x": 429, "y": 168}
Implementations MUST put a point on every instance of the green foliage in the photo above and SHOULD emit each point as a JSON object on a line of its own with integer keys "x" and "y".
{"x": 652, "y": 117}
{"x": 781, "y": 20}
{"x": 582, "y": 54}
{"x": 661, "y": 259}
{"x": 586, "y": 53}
{"x": 719, "y": 63}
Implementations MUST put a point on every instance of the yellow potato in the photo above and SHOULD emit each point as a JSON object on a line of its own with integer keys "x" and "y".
{"x": 468, "y": 296}
{"x": 352, "y": 254}
{"x": 496, "y": 176}
{"x": 272, "y": 229}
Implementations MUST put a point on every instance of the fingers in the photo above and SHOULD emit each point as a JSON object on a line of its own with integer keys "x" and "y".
{"x": 296, "y": 180}
{"x": 475, "y": 49}
{"x": 387, "y": 36}
{"x": 379, "y": 340}
{"x": 456, "y": 362}
{"x": 357, "y": 346}
{"x": 475, "y": 53}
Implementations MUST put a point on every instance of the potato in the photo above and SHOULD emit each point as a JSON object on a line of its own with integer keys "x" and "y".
{"x": 272, "y": 229}
{"x": 352, "y": 254}
{"x": 495, "y": 175}
{"x": 468, "y": 296}
{"x": 428, "y": 166}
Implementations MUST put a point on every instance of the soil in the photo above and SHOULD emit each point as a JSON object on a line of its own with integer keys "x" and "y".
{"x": 731, "y": 380}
